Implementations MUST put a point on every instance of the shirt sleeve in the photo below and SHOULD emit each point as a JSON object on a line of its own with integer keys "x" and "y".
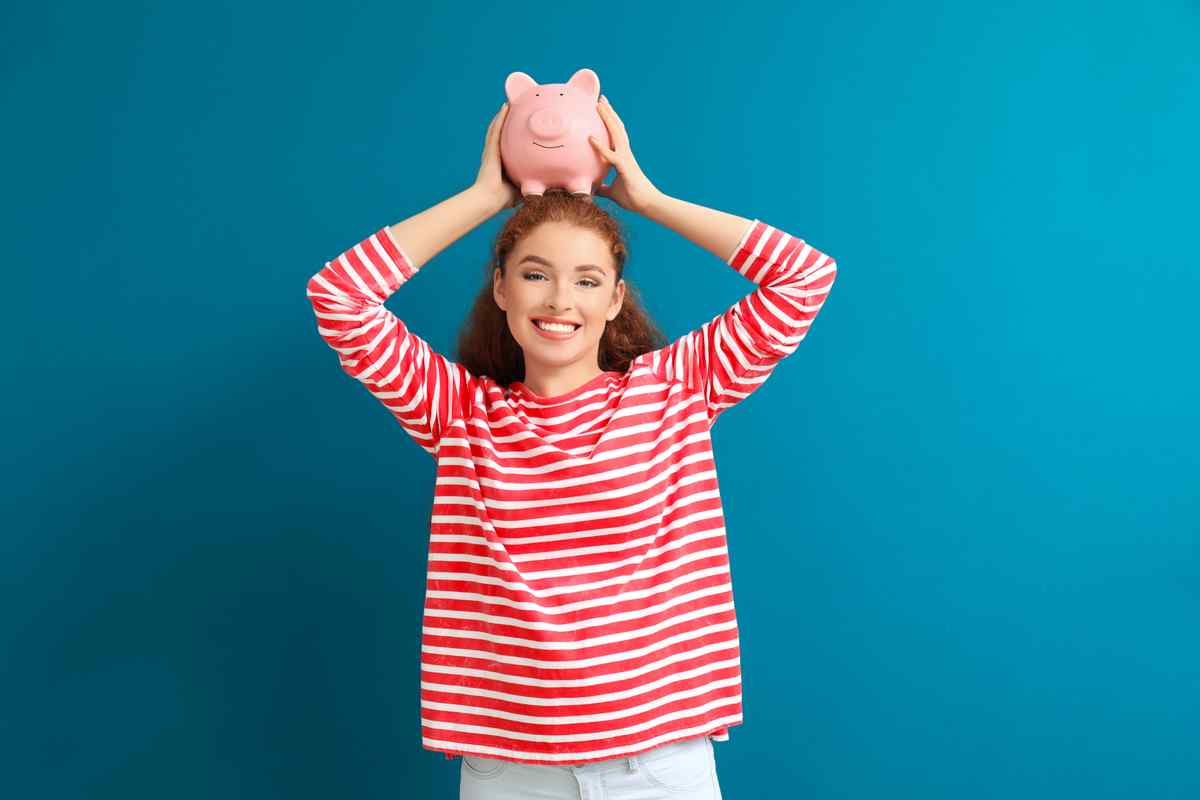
{"x": 421, "y": 388}
{"x": 730, "y": 356}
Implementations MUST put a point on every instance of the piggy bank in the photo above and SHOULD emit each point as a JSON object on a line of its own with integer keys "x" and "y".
{"x": 544, "y": 143}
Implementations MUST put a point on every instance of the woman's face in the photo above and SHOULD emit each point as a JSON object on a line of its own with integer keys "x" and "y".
{"x": 559, "y": 271}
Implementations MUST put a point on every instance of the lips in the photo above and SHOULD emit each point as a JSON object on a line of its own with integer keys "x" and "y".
{"x": 556, "y": 335}
{"x": 557, "y": 321}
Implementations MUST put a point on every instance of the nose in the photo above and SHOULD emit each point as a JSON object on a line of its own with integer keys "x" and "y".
{"x": 560, "y": 297}
{"x": 547, "y": 123}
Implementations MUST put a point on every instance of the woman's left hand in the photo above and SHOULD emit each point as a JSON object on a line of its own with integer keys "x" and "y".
{"x": 631, "y": 189}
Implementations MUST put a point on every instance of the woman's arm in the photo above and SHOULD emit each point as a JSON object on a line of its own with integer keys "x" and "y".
{"x": 421, "y": 388}
{"x": 728, "y": 357}
{"x": 716, "y": 231}
{"x": 422, "y": 236}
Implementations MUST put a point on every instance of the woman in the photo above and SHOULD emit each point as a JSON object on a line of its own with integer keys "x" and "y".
{"x": 579, "y": 633}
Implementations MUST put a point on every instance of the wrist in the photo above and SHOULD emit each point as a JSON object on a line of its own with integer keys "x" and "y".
{"x": 490, "y": 201}
{"x": 654, "y": 204}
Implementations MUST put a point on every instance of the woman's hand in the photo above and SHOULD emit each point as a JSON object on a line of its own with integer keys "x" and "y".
{"x": 631, "y": 189}
{"x": 492, "y": 179}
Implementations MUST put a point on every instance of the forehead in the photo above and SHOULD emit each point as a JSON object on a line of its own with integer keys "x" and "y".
{"x": 565, "y": 245}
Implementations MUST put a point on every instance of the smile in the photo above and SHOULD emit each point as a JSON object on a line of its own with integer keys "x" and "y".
{"x": 555, "y": 147}
{"x": 557, "y": 333}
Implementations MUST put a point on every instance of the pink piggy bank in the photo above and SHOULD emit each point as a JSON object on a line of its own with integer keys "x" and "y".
{"x": 544, "y": 143}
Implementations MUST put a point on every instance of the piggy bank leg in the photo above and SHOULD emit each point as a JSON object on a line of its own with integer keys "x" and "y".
{"x": 532, "y": 187}
{"x": 580, "y": 186}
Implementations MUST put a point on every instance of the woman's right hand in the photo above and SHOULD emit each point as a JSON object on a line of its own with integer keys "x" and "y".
{"x": 492, "y": 179}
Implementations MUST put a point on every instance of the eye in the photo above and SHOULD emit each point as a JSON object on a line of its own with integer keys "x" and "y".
{"x": 591, "y": 284}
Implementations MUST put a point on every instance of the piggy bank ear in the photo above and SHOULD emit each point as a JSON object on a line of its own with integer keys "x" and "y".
{"x": 516, "y": 84}
{"x": 586, "y": 81}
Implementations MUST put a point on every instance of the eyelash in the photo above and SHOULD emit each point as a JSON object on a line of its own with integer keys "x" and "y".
{"x": 593, "y": 283}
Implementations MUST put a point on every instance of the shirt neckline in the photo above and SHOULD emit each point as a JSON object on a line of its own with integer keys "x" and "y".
{"x": 520, "y": 388}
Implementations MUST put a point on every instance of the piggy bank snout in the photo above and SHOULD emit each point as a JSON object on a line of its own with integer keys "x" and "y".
{"x": 548, "y": 123}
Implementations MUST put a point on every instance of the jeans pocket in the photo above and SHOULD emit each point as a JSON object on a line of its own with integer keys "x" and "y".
{"x": 481, "y": 767}
{"x": 680, "y": 766}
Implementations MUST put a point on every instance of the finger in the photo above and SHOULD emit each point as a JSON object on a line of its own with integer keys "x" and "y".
{"x": 616, "y": 130}
{"x": 605, "y": 153}
{"x": 604, "y": 118}
{"x": 497, "y": 121}
{"x": 607, "y": 109}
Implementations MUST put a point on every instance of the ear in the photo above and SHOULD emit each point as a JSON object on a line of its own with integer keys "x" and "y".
{"x": 498, "y": 289}
{"x": 516, "y": 84}
{"x": 587, "y": 82}
{"x": 618, "y": 300}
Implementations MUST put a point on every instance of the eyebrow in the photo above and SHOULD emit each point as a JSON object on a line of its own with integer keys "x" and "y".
{"x": 580, "y": 268}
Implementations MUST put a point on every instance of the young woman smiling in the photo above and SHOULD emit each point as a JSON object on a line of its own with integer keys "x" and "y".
{"x": 579, "y": 629}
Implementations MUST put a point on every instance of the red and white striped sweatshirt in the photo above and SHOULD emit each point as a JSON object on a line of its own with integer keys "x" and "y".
{"x": 578, "y": 603}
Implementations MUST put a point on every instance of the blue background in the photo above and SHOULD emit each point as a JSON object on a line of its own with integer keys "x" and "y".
{"x": 962, "y": 516}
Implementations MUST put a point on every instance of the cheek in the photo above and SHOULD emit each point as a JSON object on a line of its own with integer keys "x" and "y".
{"x": 597, "y": 311}
{"x": 518, "y": 301}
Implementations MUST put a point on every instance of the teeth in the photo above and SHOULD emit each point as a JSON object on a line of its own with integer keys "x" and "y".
{"x": 554, "y": 326}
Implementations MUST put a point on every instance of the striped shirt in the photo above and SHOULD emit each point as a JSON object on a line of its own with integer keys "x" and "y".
{"x": 578, "y": 603}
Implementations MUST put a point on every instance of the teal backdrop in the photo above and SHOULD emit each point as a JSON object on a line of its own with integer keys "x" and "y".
{"x": 962, "y": 516}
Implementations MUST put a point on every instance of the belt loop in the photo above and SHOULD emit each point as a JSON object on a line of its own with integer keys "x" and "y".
{"x": 631, "y": 761}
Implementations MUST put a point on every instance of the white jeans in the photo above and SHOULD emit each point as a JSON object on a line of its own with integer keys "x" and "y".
{"x": 685, "y": 770}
